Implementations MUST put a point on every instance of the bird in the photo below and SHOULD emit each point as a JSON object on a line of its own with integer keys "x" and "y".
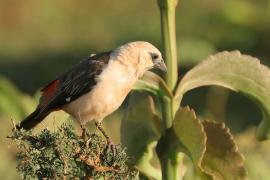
{"x": 97, "y": 86}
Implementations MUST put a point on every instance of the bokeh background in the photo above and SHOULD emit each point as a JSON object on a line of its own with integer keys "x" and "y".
{"x": 40, "y": 39}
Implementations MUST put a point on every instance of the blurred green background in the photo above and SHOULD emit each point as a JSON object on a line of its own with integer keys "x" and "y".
{"x": 40, "y": 39}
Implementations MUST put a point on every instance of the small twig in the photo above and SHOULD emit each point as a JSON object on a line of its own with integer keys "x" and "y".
{"x": 95, "y": 165}
{"x": 13, "y": 123}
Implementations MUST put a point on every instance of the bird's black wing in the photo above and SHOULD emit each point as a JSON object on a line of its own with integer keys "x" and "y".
{"x": 74, "y": 83}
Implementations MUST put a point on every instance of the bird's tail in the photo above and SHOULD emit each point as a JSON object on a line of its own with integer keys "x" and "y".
{"x": 32, "y": 120}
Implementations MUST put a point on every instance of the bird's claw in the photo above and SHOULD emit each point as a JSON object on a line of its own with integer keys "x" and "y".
{"x": 111, "y": 147}
{"x": 90, "y": 139}
{"x": 88, "y": 142}
{"x": 84, "y": 133}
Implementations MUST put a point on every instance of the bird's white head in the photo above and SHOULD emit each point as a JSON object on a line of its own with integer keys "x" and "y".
{"x": 142, "y": 55}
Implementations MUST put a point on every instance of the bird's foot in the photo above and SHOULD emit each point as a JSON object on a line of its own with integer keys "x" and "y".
{"x": 88, "y": 142}
{"x": 91, "y": 137}
{"x": 110, "y": 144}
{"x": 85, "y": 134}
{"x": 111, "y": 147}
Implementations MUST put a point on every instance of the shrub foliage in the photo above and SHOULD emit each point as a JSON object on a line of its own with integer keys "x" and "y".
{"x": 65, "y": 155}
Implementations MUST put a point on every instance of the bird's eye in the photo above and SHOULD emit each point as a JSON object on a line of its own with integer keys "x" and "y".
{"x": 154, "y": 56}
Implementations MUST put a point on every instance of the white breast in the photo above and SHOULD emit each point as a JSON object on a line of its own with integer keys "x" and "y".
{"x": 113, "y": 85}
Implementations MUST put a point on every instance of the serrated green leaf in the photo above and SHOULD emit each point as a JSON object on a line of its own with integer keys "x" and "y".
{"x": 137, "y": 133}
{"x": 151, "y": 82}
{"x": 190, "y": 133}
{"x": 222, "y": 159}
{"x": 210, "y": 146}
{"x": 240, "y": 73}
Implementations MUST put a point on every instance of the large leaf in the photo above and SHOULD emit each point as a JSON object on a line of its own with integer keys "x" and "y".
{"x": 240, "y": 73}
{"x": 138, "y": 132}
{"x": 190, "y": 134}
{"x": 222, "y": 159}
{"x": 151, "y": 82}
{"x": 210, "y": 146}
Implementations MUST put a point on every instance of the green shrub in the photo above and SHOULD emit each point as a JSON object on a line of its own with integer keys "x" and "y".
{"x": 65, "y": 155}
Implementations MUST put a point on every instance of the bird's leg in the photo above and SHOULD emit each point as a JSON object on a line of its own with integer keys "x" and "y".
{"x": 111, "y": 146}
{"x": 84, "y": 133}
{"x": 89, "y": 140}
{"x": 98, "y": 125}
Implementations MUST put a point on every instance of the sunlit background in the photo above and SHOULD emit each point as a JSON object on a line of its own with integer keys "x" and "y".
{"x": 40, "y": 39}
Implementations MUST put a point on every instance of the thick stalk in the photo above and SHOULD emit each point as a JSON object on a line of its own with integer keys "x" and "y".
{"x": 167, "y": 15}
{"x": 168, "y": 156}
{"x": 170, "y": 169}
{"x": 169, "y": 163}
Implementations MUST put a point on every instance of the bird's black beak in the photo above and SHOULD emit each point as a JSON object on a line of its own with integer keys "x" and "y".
{"x": 161, "y": 65}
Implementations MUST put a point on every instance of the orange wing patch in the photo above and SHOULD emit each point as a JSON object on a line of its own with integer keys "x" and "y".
{"x": 49, "y": 91}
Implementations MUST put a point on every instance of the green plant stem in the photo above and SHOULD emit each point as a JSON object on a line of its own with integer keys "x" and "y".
{"x": 170, "y": 169}
{"x": 169, "y": 163}
{"x": 167, "y": 113}
{"x": 169, "y": 157}
{"x": 167, "y": 15}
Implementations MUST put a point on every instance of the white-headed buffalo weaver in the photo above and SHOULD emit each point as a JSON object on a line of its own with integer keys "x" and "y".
{"x": 97, "y": 86}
